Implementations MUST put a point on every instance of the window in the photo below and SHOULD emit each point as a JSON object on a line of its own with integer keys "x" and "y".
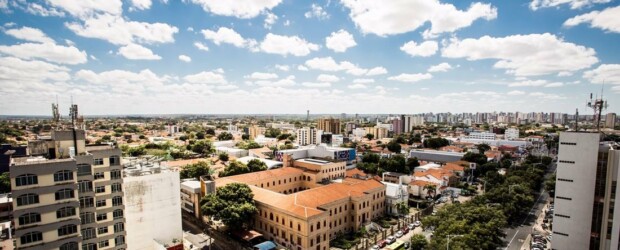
{"x": 563, "y": 216}
{"x": 64, "y": 194}
{"x": 102, "y": 230}
{"x": 117, "y": 214}
{"x": 566, "y": 180}
{"x": 64, "y": 175}
{"x": 101, "y": 203}
{"x": 69, "y": 246}
{"x": 116, "y": 187}
{"x": 102, "y": 216}
{"x": 67, "y": 229}
{"x": 559, "y": 233}
{"x": 117, "y": 201}
{"x": 115, "y": 160}
{"x": 104, "y": 243}
{"x": 98, "y": 161}
{"x": 564, "y": 198}
{"x": 87, "y": 201}
{"x": 99, "y": 175}
{"x": 119, "y": 227}
{"x": 27, "y": 199}
{"x": 119, "y": 240}
{"x": 26, "y": 179}
{"x": 84, "y": 169}
{"x": 29, "y": 218}
{"x": 569, "y": 162}
{"x": 88, "y": 233}
{"x": 87, "y": 217}
{"x": 568, "y": 143}
{"x": 115, "y": 174}
{"x": 85, "y": 186}
{"x": 31, "y": 237}
{"x": 100, "y": 189}
{"x": 89, "y": 246}
{"x": 65, "y": 212}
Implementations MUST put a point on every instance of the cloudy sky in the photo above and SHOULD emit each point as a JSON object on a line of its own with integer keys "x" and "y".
{"x": 285, "y": 56}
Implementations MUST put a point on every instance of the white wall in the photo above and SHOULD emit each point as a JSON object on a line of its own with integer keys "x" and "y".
{"x": 152, "y": 209}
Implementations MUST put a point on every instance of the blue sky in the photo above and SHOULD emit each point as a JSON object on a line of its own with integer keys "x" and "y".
{"x": 283, "y": 56}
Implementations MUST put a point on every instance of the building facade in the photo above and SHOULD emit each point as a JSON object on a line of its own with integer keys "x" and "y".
{"x": 329, "y": 125}
{"x": 511, "y": 134}
{"x": 307, "y": 136}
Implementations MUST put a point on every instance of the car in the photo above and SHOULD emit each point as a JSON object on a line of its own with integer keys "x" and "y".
{"x": 376, "y": 247}
{"x": 411, "y": 226}
{"x": 405, "y": 230}
{"x": 399, "y": 234}
{"x": 455, "y": 195}
{"x": 417, "y": 223}
{"x": 390, "y": 240}
{"x": 539, "y": 245}
{"x": 381, "y": 244}
{"x": 407, "y": 245}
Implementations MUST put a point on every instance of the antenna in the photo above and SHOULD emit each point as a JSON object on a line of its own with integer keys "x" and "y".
{"x": 576, "y": 120}
{"x": 597, "y": 104}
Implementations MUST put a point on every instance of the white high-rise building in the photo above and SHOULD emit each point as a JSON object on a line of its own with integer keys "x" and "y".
{"x": 481, "y": 135}
{"x": 307, "y": 136}
{"x": 585, "y": 215}
{"x": 511, "y": 134}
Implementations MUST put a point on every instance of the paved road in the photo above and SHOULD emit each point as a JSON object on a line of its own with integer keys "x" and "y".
{"x": 516, "y": 236}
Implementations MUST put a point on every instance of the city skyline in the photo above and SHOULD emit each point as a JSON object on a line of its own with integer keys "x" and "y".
{"x": 285, "y": 57}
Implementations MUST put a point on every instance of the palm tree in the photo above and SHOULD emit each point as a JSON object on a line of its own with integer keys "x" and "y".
{"x": 430, "y": 189}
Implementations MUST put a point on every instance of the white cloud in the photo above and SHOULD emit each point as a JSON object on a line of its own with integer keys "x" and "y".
{"x": 604, "y": 73}
{"x": 284, "y": 45}
{"x": 4, "y": 4}
{"x": 317, "y": 84}
{"x": 117, "y": 30}
{"x": 238, "y": 8}
{"x": 120, "y": 77}
{"x": 227, "y": 35}
{"x": 316, "y": 11}
{"x": 565, "y": 73}
{"x": 285, "y": 82}
{"x": 207, "y": 77}
{"x": 442, "y": 67}
{"x": 425, "y": 49}
{"x": 377, "y": 71}
{"x": 356, "y": 86}
{"x": 574, "y": 4}
{"x": 327, "y": 78}
{"x": 411, "y": 77}
{"x": 554, "y": 85}
{"x": 282, "y": 67}
{"x": 14, "y": 70}
{"x": 137, "y": 52}
{"x": 340, "y": 41}
{"x": 535, "y": 83}
{"x": 302, "y": 68}
{"x": 606, "y": 19}
{"x": 93, "y": 57}
{"x": 185, "y": 58}
{"x": 270, "y": 20}
{"x": 190, "y": 29}
{"x": 201, "y": 46}
{"x": 328, "y": 64}
{"x": 85, "y": 8}
{"x": 261, "y": 76}
{"x": 37, "y": 9}
{"x": 47, "y": 51}
{"x": 363, "y": 80}
{"x": 516, "y": 92}
{"x": 516, "y": 53}
{"x": 397, "y": 17}
{"x": 141, "y": 4}
{"x": 29, "y": 34}
{"x": 547, "y": 96}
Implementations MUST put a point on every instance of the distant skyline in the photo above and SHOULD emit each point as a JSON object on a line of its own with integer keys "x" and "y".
{"x": 284, "y": 57}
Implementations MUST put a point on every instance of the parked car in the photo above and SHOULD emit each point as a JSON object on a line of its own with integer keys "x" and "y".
{"x": 390, "y": 240}
{"x": 376, "y": 247}
{"x": 407, "y": 245}
{"x": 399, "y": 234}
{"x": 405, "y": 230}
{"x": 411, "y": 226}
{"x": 417, "y": 223}
{"x": 381, "y": 243}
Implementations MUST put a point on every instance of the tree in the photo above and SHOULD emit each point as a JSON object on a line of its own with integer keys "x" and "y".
{"x": 430, "y": 190}
{"x": 5, "y": 183}
{"x": 371, "y": 158}
{"x": 234, "y": 168}
{"x": 272, "y": 132}
{"x": 202, "y": 147}
{"x": 245, "y": 137}
{"x": 256, "y": 165}
{"x": 223, "y": 156}
{"x": 395, "y": 163}
{"x": 233, "y": 204}
{"x": 283, "y": 136}
{"x": 200, "y": 135}
{"x": 402, "y": 208}
{"x": 412, "y": 163}
{"x": 550, "y": 185}
{"x": 249, "y": 145}
{"x": 394, "y": 146}
{"x": 210, "y": 131}
{"x": 224, "y": 136}
{"x": 418, "y": 242}
{"x": 367, "y": 167}
{"x": 483, "y": 147}
{"x": 369, "y": 136}
{"x": 195, "y": 170}
{"x": 479, "y": 159}
{"x": 435, "y": 143}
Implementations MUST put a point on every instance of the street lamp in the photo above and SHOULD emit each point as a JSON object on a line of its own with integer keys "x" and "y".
{"x": 451, "y": 236}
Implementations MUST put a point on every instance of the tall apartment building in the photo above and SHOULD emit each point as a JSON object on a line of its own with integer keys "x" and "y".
{"x": 610, "y": 120}
{"x": 254, "y": 131}
{"x": 307, "y": 136}
{"x": 586, "y": 186}
{"x": 511, "y": 134}
{"x": 72, "y": 199}
{"x": 330, "y": 125}
{"x": 377, "y": 132}
{"x": 408, "y": 122}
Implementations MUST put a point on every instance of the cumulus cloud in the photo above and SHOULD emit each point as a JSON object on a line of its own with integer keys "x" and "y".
{"x": 85, "y": 8}
{"x": 316, "y": 11}
{"x": 604, "y": 73}
{"x": 229, "y": 36}
{"x": 207, "y": 77}
{"x": 302, "y": 68}
{"x": 29, "y": 34}
{"x": 285, "y": 45}
{"x": 606, "y": 19}
{"x": 284, "y": 82}
{"x": 15, "y": 70}
{"x": 424, "y": 49}
{"x": 574, "y": 4}
{"x": 411, "y": 77}
{"x": 283, "y": 67}
{"x": 442, "y": 67}
{"x": 516, "y": 92}
{"x": 327, "y": 78}
{"x": 137, "y": 52}
{"x": 46, "y": 51}
{"x": 239, "y": 8}
{"x": 535, "y": 83}
{"x": 201, "y": 46}
{"x": 185, "y": 58}
{"x": 340, "y": 41}
{"x": 141, "y": 4}
{"x": 261, "y": 76}
{"x": 547, "y": 96}
{"x": 117, "y": 30}
{"x": 329, "y": 64}
{"x": 396, "y": 17}
{"x": 317, "y": 84}
{"x": 377, "y": 71}
{"x": 270, "y": 20}
{"x": 517, "y": 52}
{"x": 356, "y": 86}
{"x": 363, "y": 80}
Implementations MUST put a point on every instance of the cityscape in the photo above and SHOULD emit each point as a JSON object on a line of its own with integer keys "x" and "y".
{"x": 294, "y": 125}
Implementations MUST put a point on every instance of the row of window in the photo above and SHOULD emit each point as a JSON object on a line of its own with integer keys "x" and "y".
{"x": 569, "y": 162}
{"x": 563, "y": 216}
{"x": 88, "y": 201}
{"x": 31, "y": 179}
{"x": 564, "y": 198}
{"x": 29, "y": 199}
{"x": 569, "y": 143}
{"x": 566, "y": 180}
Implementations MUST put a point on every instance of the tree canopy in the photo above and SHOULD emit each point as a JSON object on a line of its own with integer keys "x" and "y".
{"x": 418, "y": 242}
{"x": 394, "y": 146}
{"x": 272, "y": 132}
{"x": 235, "y": 168}
{"x": 435, "y": 143}
{"x": 195, "y": 170}
{"x": 224, "y": 136}
{"x": 233, "y": 204}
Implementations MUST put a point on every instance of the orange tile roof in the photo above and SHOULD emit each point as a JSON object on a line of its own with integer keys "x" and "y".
{"x": 262, "y": 175}
{"x": 438, "y": 173}
{"x": 352, "y": 172}
{"x": 421, "y": 183}
{"x": 453, "y": 167}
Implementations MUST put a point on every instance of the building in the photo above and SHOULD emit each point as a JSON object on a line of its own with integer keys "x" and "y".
{"x": 152, "y": 205}
{"x": 397, "y": 126}
{"x": 435, "y": 156}
{"x": 190, "y": 199}
{"x": 254, "y": 131}
{"x": 377, "y": 132}
{"x": 481, "y": 136}
{"x": 307, "y": 136}
{"x": 7, "y": 151}
{"x": 408, "y": 122}
{"x": 347, "y": 155}
{"x": 72, "y": 199}
{"x": 610, "y": 120}
{"x": 585, "y": 215}
{"x": 329, "y": 125}
{"x": 511, "y": 134}
{"x": 308, "y": 202}
{"x": 172, "y": 129}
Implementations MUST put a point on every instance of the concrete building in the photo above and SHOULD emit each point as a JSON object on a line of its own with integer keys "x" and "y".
{"x": 329, "y": 125}
{"x": 435, "y": 156}
{"x": 307, "y": 136}
{"x": 190, "y": 199}
{"x": 585, "y": 215}
{"x": 397, "y": 126}
{"x": 254, "y": 131}
{"x": 172, "y": 129}
{"x": 610, "y": 120}
{"x": 511, "y": 134}
{"x": 481, "y": 136}
{"x": 395, "y": 194}
{"x": 321, "y": 151}
{"x": 152, "y": 205}
{"x": 72, "y": 199}
{"x": 377, "y": 132}
{"x": 408, "y": 122}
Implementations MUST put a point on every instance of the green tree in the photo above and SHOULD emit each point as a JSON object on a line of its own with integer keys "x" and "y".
{"x": 250, "y": 145}
{"x": 234, "y": 168}
{"x": 371, "y": 158}
{"x": 402, "y": 208}
{"x": 430, "y": 190}
{"x": 483, "y": 148}
{"x": 245, "y": 137}
{"x": 550, "y": 184}
{"x": 272, "y": 132}
{"x": 369, "y": 136}
{"x": 224, "y": 136}
{"x": 394, "y": 146}
{"x": 195, "y": 170}
{"x": 479, "y": 159}
{"x": 202, "y": 147}
{"x": 5, "y": 183}
{"x": 435, "y": 143}
{"x": 396, "y": 163}
{"x": 223, "y": 156}
{"x": 255, "y": 165}
{"x": 412, "y": 163}
{"x": 283, "y": 136}
{"x": 233, "y": 204}
{"x": 418, "y": 242}
{"x": 200, "y": 135}
{"x": 368, "y": 167}
{"x": 210, "y": 131}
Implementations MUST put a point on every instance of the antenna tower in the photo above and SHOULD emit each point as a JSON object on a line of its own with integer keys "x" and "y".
{"x": 597, "y": 104}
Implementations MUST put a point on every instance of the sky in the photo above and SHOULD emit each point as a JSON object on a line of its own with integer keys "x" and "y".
{"x": 285, "y": 57}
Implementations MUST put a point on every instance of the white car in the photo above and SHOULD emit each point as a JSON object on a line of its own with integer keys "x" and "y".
{"x": 417, "y": 223}
{"x": 411, "y": 226}
{"x": 399, "y": 234}
{"x": 375, "y": 247}
{"x": 390, "y": 240}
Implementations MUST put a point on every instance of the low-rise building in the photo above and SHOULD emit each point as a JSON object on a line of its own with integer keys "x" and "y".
{"x": 190, "y": 199}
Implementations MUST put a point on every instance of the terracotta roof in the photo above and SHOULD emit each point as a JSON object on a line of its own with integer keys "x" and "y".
{"x": 352, "y": 172}
{"x": 261, "y": 175}
{"x": 438, "y": 173}
{"x": 453, "y": 167}
{"x": 421, "y": 183}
